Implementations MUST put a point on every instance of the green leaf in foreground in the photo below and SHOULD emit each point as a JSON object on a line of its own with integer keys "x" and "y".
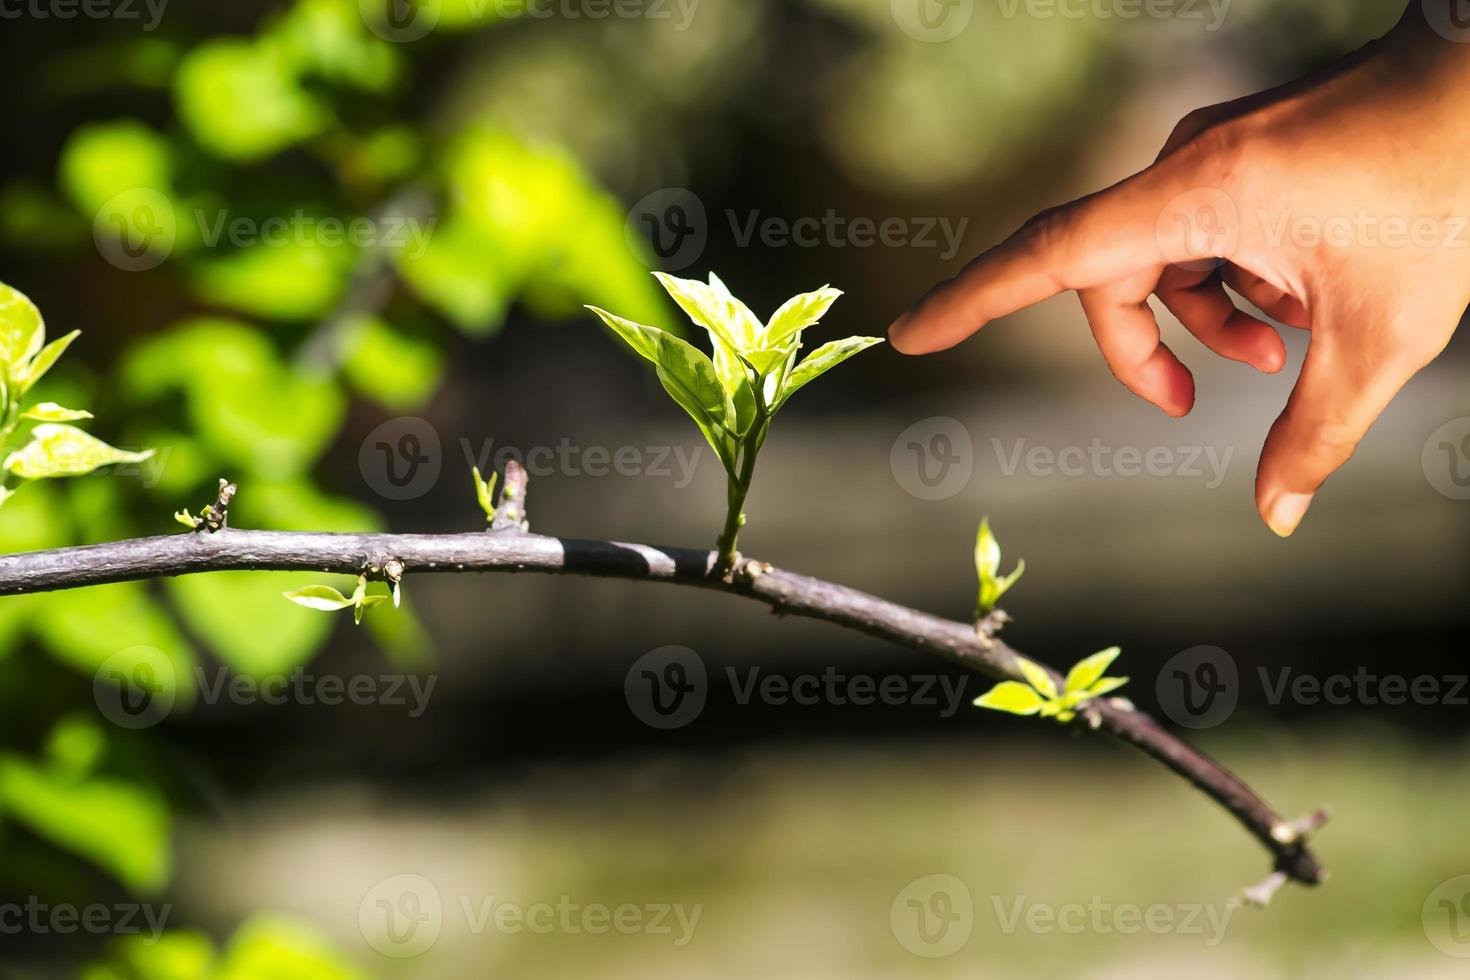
{"x": 64, "y": 450}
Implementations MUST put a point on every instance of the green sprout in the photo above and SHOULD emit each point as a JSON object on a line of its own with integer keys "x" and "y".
{"x": 993, "y": 585}
{"x": 324, "y": 598}
{"x": 485, "y": 493}
{"x": 734, "y": 396}
{"x": 1039, "y": 695}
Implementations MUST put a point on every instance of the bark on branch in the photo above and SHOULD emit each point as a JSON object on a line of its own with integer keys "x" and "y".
{"x": 513, "y": 550}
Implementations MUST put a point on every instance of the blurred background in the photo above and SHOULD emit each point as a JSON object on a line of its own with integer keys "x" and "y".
{"x": 337, "y": 253}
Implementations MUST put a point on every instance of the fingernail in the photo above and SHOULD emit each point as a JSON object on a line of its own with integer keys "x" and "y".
{"x": 1287, "y": 511}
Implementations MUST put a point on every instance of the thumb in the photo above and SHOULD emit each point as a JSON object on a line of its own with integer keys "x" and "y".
{"x": 1343, "y": 388}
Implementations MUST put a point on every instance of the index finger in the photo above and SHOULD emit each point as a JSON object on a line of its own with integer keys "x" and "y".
{"x": 1150, "y": 220}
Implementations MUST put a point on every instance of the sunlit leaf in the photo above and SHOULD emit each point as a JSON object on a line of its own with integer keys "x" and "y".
{"x": 52, "y": 412}
{"x": 992, "y": 585}
{"x": 1011, "y": 696}
{"x": 1038, "y": 677}
{"x": 1106, "y": 686}
{"x": 64, "y": 450}
{"x": 44, "y": 361}
{"x": 799, "y": 313}
{"x": 1086, "y": 672}
{"x": 822, "y": 360}
{"x": 21, "y": 329}
{"x": 323, "y": 598}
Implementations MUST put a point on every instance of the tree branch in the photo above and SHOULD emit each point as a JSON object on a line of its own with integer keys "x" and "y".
{"x": 513, "y": 550}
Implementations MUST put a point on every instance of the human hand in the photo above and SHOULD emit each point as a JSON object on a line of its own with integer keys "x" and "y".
{"x": 1339, "y": 204}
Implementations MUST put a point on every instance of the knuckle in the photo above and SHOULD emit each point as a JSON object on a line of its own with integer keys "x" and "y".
{"x": 1048, "y": 233}
{"x": 1330, "y": 445}
{"x": 1220, "y": 152}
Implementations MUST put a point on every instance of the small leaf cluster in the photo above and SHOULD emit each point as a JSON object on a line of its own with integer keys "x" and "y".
{"x": 993, "y": 585}
{"x": 46, "y": 446}
{"x": 1039, "y": 695}
{"x": 733, "y": 395}
{"x": 324, "y": 598}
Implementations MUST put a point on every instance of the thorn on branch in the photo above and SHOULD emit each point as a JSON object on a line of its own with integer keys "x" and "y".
{"x": 217, "y": 515}
{"x": 1260, "y": 895}
{"x": 1297, "y": 831}
{"x": 511, "y": 513}
{"x": 989, "y": 626}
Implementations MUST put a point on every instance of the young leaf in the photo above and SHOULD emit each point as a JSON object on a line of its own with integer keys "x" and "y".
{"x": 689, "y": 378}
{"x": 741, "y": 321}
{"x": 45, "y": 360}
{"x": 1106, "y": 686}
{"x": 822, "y": 360}
{"x": 187, "y": 519}
{"x": 643, "y": 339}
{"x": 52, "y": 412}
{"x": 484, "y": 492}
{"x": 799, "y": 313}
{"x": 707, "y": 308}
{"x": 1011, "y": 696}
{"x": 1038, "y": 677}
{"x": 64, "y": 450}
{"x": 736, "y": 381}
{"x": 21, "y": 330}
{"x": 360, "y": 607}
{"x": 1087, "y": 671}
{"x": 987, "y": 570}
{"x": 320, "y": 597}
